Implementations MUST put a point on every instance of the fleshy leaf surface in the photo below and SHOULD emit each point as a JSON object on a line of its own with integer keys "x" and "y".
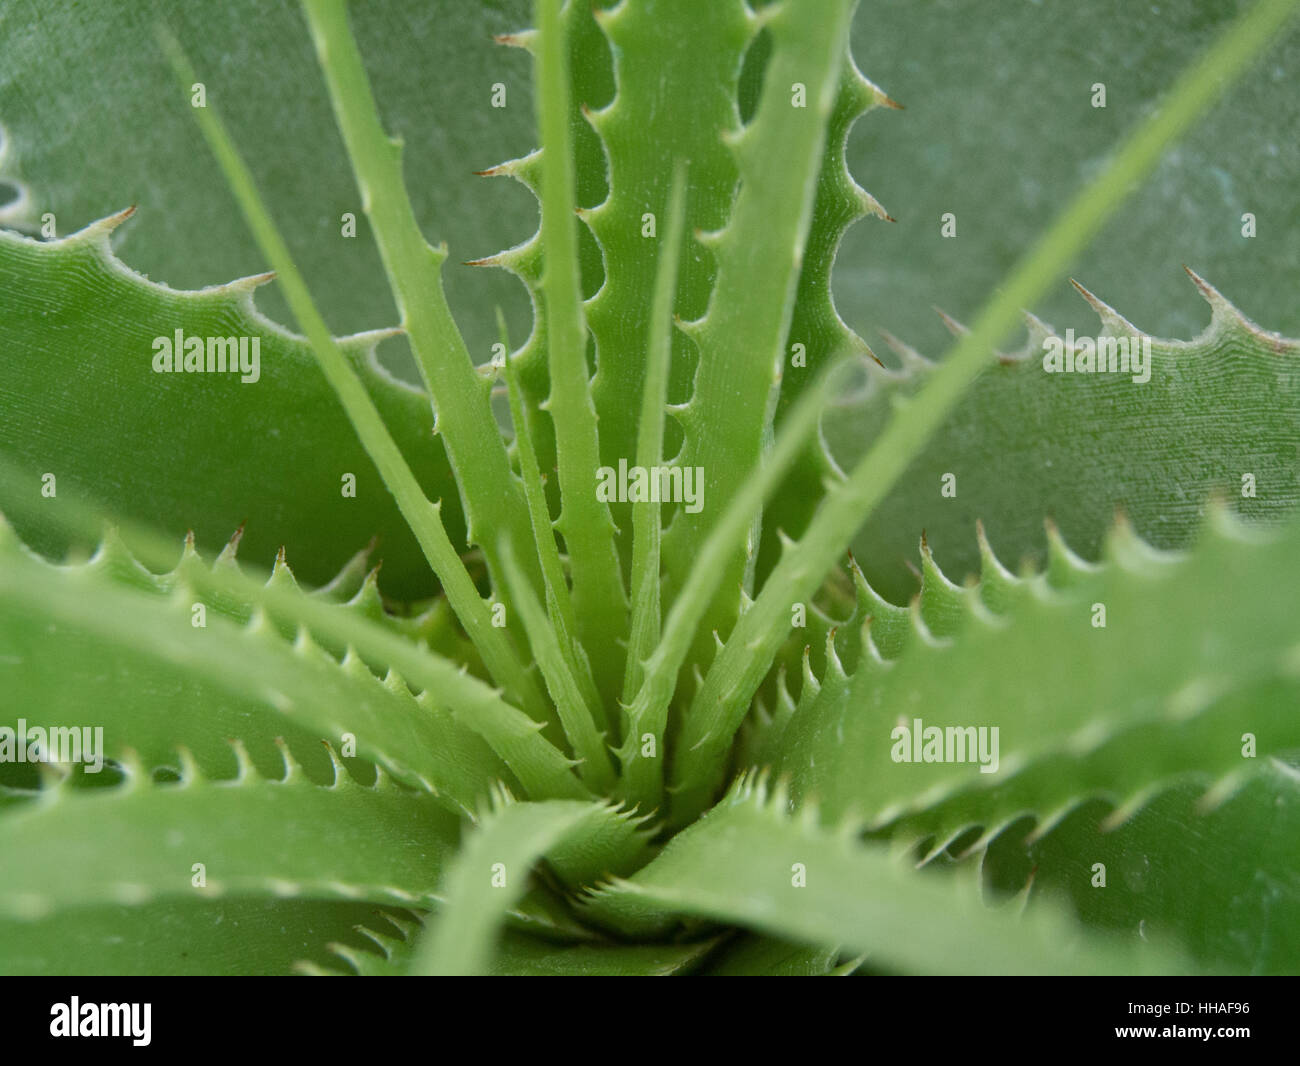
{"x": 204, "y": 452}
{"x": 1216, "y": 415}
{"x": 1175, "y": 644}
{"x": 750, "y": 862}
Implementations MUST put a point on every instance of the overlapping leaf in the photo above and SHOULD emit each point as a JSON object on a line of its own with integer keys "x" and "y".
{"x": 749, "y": 862}
{"x": 1122, "y": 705}
{"x": 205, "y": 452}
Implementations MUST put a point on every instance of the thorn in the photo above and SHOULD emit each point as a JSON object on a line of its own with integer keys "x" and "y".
{"x": 1093, "y": 302}
{"x": 1036, "y": 330}
{"x": 372, "y": 337}
{"x": 892, "y": 342}
{"x": 954, "y": 327}
{"x": 104, "y": 226}
{"x": 911, "y": 359}
{"x": 519, "y": 39}
{"x": 253, "y": 280}
{"x": 1207, "y": 290}
{"x": 1222, "y": 309}
{"x": 869, "y": 205}
{"x": 1110, "y": 318}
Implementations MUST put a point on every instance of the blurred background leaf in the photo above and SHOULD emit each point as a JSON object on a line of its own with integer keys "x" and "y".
{"x": 1000, "y": 130}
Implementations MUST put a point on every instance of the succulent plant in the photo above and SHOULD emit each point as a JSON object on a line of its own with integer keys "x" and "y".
{"x": 644, "y": 685}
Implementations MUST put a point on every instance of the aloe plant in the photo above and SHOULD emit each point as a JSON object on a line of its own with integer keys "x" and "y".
{"x": 621, "y": 700}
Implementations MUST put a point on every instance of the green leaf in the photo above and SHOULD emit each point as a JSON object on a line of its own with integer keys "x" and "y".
{"x": 1223, "y": 881}
{"x": 741, "y": 337}
{"x": 123, "y": 616}
{"x": 719, "y": 705}
{"x": 571, "y": 706}
{"x": 583, "y": 841}
{"x": 63, "y": 669}
{"x": 126, "y": 134}
{"x": 460, "y": 395}
{"x": 559, "y": 603}
{"x": 1019, "y": 89}
{"x": 648, "y": 711}
{"x": 676, "y": 66}
{"x": 1179, "y": 637}
{"x": 599, "y": 597}
{"x": 521, "y": 955}
{"x": 176, "y": 449}
{"x": 1026, "y": 443}
{"x": 1127, "y": 769}
{"x": 1203, "y": 655}
{"x": 590, "y": 72}
{"x": 498, "y": 654}
{"x": 647, "y": 520}
{"x": 817, "y": 332}
{"x": 286, "y": 839}
{"x": 766, "y": 956}
{"x": 740, "y": 864}
{"x": 136, "y": 654}
{"x": 177, "y": 936}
